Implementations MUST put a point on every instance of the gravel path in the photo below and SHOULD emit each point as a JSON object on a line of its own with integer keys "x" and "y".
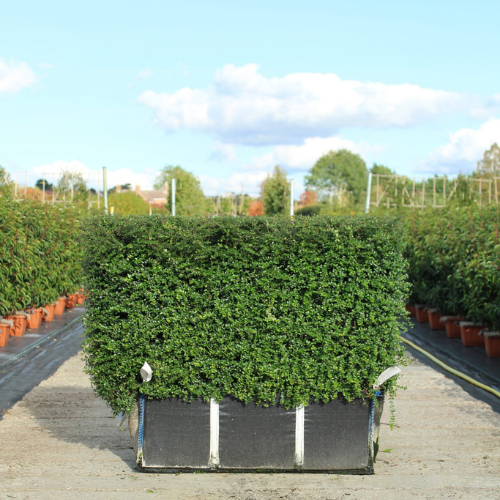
{"x": 60, "y": 442}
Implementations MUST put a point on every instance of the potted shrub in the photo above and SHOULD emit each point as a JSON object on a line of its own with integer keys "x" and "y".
{"x": 60, "y": 305}
{"x": 48, "y": 312}
{"x": 4, "y": 332}
{"x": 434, "y": 319}
{"x": 421, "y": 313}
{"x": 411, "y": 309}
{"x": 452, "y": 326}
{"x": 470, "y": 334}
{"x": 19, "y": 320}
{"x": 492, "y": 343}
{"x": 258, "y": 337}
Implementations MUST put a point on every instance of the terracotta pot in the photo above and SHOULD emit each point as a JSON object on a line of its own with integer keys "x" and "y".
{"x": 19, "y": 325}
{"x": 35, "y": 319}
{"x": 470, "y": 334}
{"x": 411, "y": 309}
{"x": 492, "y": 344}
{"x": 434, "y": 317}
{"x": 452, "y": 328}
{"x": 60, "y": 305}
{"x": 421, "y": 311}
{"x": 50, "y": 308}
{"x": 80, "y": 298}
{"x": 4, "y": 334}
{"x": 71, "y": 301}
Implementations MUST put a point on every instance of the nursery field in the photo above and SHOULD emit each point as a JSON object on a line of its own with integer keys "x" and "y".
{"x": 40, "y": 263}
{"x": 454, "y": 268}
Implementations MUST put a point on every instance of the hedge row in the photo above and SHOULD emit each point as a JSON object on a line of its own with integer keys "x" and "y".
{"x": 40, "y": 256}
{"x": 262, "y": 309}
{"x": 454, "y": 259}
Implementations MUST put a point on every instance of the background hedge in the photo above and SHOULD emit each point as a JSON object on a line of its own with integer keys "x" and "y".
{"x": 40, "y": 255}
{"x": 454, "y": 259}
{"x": 254, "y": 307}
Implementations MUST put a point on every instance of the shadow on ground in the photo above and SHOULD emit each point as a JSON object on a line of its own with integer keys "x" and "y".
{"x": 75, "y": 415}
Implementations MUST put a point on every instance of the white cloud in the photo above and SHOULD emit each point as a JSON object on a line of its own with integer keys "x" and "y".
{"x": 223, "y": 152}
{"x": 245, "y": 107}
{"x": 52, "y": 171}
{"x": 304, "y": 156}
{"x": 464, "y": 149}
{"x": 15, "y": 76}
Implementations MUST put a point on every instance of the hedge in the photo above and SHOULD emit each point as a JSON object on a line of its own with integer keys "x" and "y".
{"x": 263, "y": 309}
{"x": 40, "y": 256}
{"x": 454, "y": 259}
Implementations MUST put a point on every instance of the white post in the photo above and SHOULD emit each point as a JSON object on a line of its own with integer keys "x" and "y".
{"x": 105, "y": 189}
{"x": 173, "y": 196}
{"x": 292, "y": 183}
{"x": 368, "y": 193}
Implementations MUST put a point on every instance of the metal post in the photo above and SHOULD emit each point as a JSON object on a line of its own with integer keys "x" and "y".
{"x": 43, "y": 187}
{"x": 105, "y": 189}
{"x": 292, "y": 183}
{"x": 173, "y": 196}
{"x": 368, "y": 192}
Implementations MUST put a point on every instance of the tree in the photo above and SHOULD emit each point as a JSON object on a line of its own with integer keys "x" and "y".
{"x": 189, "y": 197}
{"x": 48, "y": 185}
{"x": 128, "y": 203}
{"x": 489, "y": 166}
{"x": 337, "y": 171}
{"x": 70, "y": 184}
{"x": 255, "y": 208}
{"x": 308, "y": 198}
{"x": 381, "y": 170}
{"x": 273, "y": 192}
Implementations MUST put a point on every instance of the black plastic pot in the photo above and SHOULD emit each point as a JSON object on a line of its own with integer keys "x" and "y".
{"x": 230, "y": 436}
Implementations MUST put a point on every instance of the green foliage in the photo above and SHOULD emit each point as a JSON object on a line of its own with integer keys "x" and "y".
{"x": 275, "y": 192}
{"x": 254, "y": 307}
{"x": 128, "y": 203}
{"x": 490, "y": 164}
{"x": 381, "y": 169}
{"x": 40, "y": 258}
{"x": 189, "y": 197}
{"x": 338, "y": 169}
{"x": 40, "y": 185}
{"x": 309, "y": 210}
{"x": 454, "y": 257}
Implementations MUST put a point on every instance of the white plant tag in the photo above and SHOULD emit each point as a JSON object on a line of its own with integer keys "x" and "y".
{"x": 146, "y": 372}
{"x": 385, "y": 376}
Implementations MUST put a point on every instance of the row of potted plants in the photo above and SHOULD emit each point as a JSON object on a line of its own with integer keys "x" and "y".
{"x": 15, "y": 325}
{"x": 454, "y": 264}
{"x": 40, "y": 261}
{"x": 457, "y": 327}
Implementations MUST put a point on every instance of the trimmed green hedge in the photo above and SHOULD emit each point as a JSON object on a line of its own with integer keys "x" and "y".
{"x": 454, "y": 261}
{"x": 40, "y": 256}
{"x": 254, "y": 307}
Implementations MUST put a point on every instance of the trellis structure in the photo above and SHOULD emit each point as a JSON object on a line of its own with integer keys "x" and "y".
{"x": 398, "y": 190}
{"x": 60, "y": 195}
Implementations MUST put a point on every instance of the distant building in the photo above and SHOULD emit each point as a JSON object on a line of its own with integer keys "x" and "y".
{"x": 155, "y": 197}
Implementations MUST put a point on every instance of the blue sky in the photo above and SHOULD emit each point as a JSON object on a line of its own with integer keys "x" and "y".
{"x": 228, "y": 90}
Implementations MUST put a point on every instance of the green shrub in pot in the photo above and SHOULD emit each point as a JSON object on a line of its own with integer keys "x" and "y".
{"x": 258, "y": 308}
